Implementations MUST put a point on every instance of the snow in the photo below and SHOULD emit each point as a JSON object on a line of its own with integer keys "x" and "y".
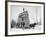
{"x": 37, "y": 29}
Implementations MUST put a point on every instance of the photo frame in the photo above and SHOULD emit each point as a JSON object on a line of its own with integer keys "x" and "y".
{"x": 24, "y": 18}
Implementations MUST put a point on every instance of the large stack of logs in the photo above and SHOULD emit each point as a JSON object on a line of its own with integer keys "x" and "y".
{"x": 23, "y": 19}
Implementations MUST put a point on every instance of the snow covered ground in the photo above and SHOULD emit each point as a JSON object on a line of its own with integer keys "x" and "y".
{"x": 37, "y": 29}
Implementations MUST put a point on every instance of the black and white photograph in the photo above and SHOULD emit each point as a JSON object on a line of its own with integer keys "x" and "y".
{"x": 25, "y": 18}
